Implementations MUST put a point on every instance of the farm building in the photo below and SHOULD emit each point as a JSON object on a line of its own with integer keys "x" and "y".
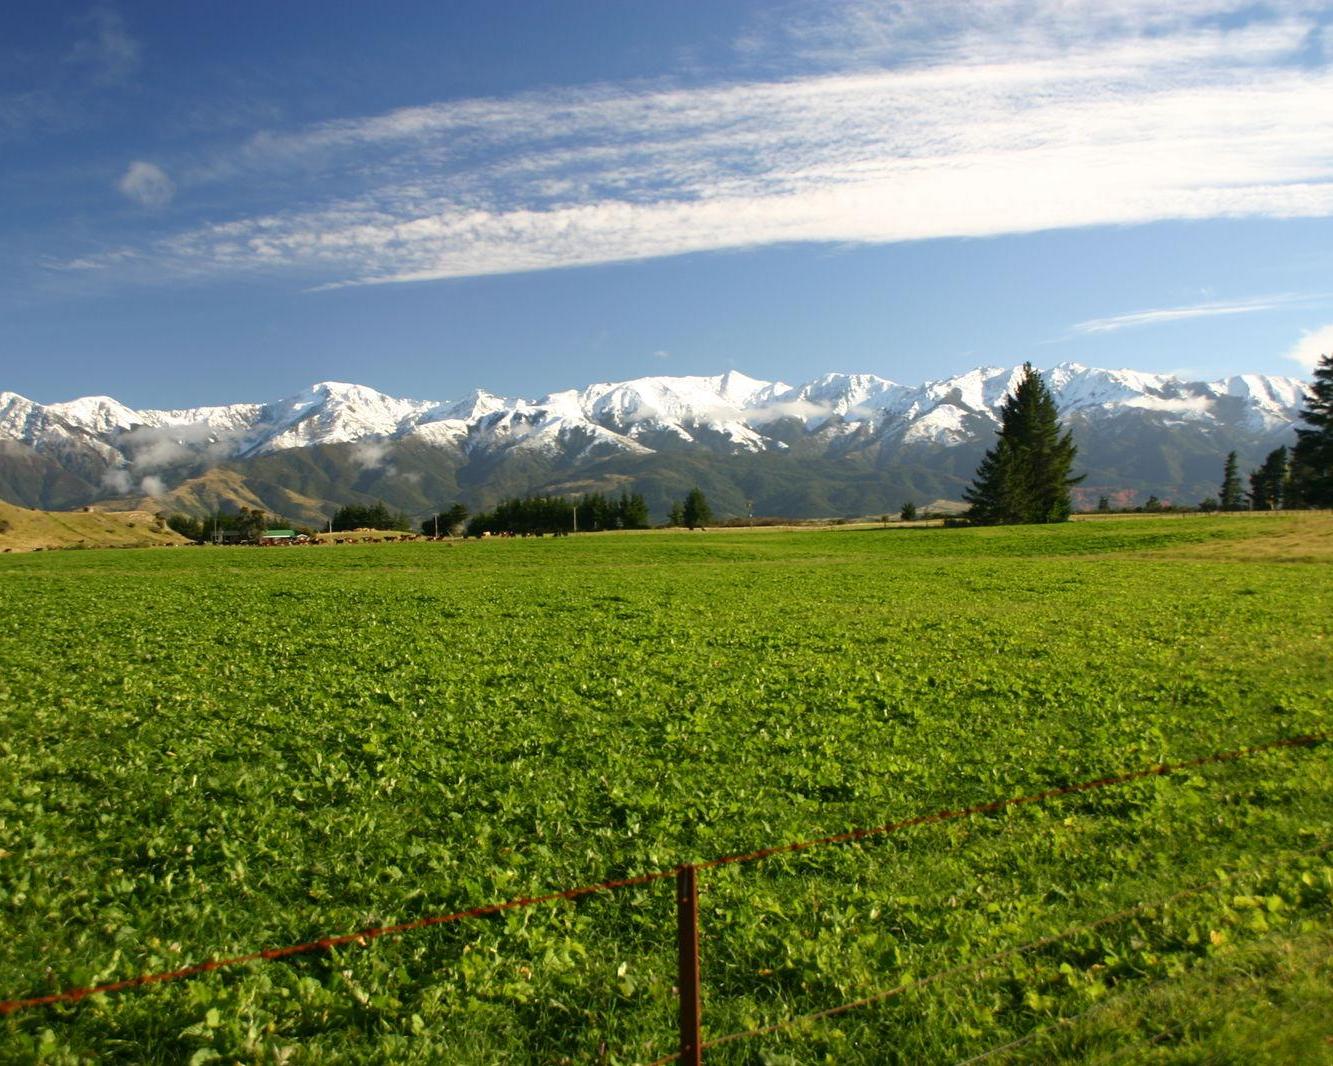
{"x": 282, "y": 536}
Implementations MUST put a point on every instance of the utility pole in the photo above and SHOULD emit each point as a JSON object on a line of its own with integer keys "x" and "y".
{"x": 576, "y": 518}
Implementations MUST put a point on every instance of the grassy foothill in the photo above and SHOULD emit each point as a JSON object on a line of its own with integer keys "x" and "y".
{"x": 23, "y": 529}
{"x": 210, "y": 751}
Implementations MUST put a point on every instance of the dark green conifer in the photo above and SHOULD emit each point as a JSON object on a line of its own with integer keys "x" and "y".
{"x": 1231, "y": 496}
{"x": 1025, "y": 476}
{"x": 1312, "y": 457}
{"x": 696, "y": 512}
{"x": 1268, "y": 484}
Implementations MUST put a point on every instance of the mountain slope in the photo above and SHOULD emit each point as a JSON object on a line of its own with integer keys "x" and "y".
{"x": 840, "y": 443}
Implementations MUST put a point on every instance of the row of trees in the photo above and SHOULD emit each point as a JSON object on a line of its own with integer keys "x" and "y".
{"x": 1272, "y": 486}
{"x": 693, "y": 512}
{"x": 591, "y": 513}
{"x": 374, "y": 516}
{"x": 248, "y": 524}
{"x": 1301, "y": 476}
{"x": 1026, "y": 476}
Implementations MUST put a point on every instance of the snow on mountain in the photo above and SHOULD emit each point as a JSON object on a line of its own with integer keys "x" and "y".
{"x": 729, "y": 411}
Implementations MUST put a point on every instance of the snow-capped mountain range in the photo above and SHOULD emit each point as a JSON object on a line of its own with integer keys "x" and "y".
{"x": 638, "y": 416}
{"x": 840, "y": 444}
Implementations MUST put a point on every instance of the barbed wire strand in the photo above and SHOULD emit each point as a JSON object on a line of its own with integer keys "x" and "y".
{"x": 364, "y": 936}
{"x": 73, "y": 995}
{"x": 993, "y": 806}
{"x": 981, "y": 964}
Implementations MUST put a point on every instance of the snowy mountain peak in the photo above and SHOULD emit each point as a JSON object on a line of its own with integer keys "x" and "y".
{"x": 730, "y": 412}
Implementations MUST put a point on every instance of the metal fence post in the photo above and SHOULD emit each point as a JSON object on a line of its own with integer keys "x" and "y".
{"x": 687, "y": 939}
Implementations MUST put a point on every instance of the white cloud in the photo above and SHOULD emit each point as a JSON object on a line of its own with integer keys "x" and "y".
{"x": 117, "y": 480}
{"x": 156, "y": 447}
{"x": 1313, "y": 344}
{"x": 979, "y": 131}
{"x": 152, "y": 485}
{"x": 884, "y": 31}
{"x": 146, "y": 184}
{"x": 370, "y": 454}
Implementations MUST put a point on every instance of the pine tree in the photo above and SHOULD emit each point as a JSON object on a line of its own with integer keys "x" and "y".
{"x": 1268, "y": 484}
{"x": 632, "y": 511}
{"x": 1312, "y": 457}
{"x": 446, "y": 522}
{"x": 696, "y": 512}
{"x": 1025, "y": 476}
{"x": 1231, "y": 497}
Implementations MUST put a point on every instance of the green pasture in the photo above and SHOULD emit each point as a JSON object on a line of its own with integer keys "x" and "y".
{"x": 206, "y": 751}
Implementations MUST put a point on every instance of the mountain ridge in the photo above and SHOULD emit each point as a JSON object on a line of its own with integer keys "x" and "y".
{"x": 607, "y": 429}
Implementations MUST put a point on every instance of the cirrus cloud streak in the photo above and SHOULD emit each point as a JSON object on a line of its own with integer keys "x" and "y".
{"x": 1198, "y": 123}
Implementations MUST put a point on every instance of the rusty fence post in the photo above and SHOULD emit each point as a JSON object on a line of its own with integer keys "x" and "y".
{"x": 687, "y": 940}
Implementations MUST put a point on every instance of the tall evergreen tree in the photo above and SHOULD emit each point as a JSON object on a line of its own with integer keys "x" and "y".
{"x": 632, "y": 511}
{"x": 446, "y": 522}
{"x": 1231, "y": 497}
{"x": 1312, "y": 457}
{"x": 695, "y": 512}
{"x": 1025, "y": 476}
{"x": 1268, "y": 484}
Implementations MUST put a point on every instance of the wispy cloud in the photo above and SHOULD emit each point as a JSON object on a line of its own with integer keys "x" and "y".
{"x": 105, "y": 52}
{"x": 67, "y": 83}
{"x": 891, "y": 32}
{"x": 965, "y": 126}
{"x": 1175, "y": 314}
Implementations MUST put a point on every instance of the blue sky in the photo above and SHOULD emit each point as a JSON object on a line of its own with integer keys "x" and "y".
{"x": 208, "y": 203}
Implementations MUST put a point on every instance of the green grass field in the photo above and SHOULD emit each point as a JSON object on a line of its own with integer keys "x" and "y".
{"x": 207, "y": 751}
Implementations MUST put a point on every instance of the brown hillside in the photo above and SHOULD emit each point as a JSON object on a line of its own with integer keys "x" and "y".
{"x": 22, "y": 529}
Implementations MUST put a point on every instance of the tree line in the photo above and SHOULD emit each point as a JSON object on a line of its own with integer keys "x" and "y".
{"x": 374, "y": 516}
{"x": 1026, "y": 476}
{"x": 1299, "y": 476}
{"x": 591, "y": 513}
{"x": 248, "y": 524}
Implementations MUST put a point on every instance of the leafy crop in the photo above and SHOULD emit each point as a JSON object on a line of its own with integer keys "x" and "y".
{"x": 205, "y": 751}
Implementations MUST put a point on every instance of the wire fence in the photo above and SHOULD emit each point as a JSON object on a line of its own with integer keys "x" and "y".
{"x": 974, "y": 966}
{"x": 691, "y": 1045}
